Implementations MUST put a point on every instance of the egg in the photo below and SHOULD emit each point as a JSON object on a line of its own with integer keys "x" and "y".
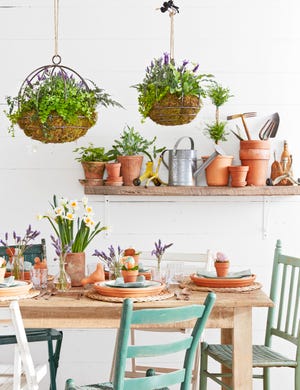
{"x": 129, "y": 262}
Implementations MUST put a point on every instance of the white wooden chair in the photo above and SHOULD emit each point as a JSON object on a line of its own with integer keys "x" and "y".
{"x": 22, "y": 375}
{"x": 192, "y": 262}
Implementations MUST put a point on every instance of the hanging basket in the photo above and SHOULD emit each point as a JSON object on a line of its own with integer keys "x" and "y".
{"x": 55, "y": 130}
{"x": 173, "y": 110}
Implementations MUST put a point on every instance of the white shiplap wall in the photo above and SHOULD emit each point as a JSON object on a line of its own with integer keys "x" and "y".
{"x": 251, "y": 47}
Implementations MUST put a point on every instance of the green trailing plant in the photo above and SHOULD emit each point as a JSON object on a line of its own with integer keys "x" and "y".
{"x": 58, "y": 93}
{"x": 219, "y": 96}
{"x": 92, "y": 153}
{"x": 132, "y": 143}
{"x": 164, "y": 77}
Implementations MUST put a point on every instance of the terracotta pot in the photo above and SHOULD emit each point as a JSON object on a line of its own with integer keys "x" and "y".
{"x": 130, "y": 276}
{"x": 256, "y": 154}
{"x": 238, "y": 175}
{"x": 93, "y": 169}
{"x": 130, "y": 168}
{"x": 217, "y": 172}
{"x": 222, "y": 268}
{"x": 113, "y": 170}
{"x": 75, "y": 267}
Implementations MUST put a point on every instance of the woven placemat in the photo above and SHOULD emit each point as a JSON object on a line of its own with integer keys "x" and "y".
{"x": 93, "y": 294}
{"x": 192, "y": 286}
{"x": 30, "y": 294}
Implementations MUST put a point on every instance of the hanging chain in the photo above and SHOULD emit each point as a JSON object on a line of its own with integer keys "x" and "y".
{"x": 56, "y": 59}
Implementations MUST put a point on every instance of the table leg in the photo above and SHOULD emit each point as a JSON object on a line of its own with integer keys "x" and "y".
{"x": 226, "y": 338}
{"x": 242, "y": 349}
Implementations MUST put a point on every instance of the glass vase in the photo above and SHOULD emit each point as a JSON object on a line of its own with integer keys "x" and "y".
{"x": 17, "y": 268}
{"x": 115, "y": 270}
{"x": 62, "y": 280}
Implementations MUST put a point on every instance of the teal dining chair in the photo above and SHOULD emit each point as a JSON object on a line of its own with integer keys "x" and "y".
{"x": 125, "y": 351}
{"x": 283, "y": 322}
{"x": 53, "y": 337}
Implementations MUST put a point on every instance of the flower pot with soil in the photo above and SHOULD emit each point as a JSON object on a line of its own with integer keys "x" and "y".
{"x": 221, "y": 264}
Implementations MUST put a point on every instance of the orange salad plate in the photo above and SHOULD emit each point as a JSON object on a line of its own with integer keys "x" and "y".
{"x": 223, "y": 282}
{"x": 151, "y": 288}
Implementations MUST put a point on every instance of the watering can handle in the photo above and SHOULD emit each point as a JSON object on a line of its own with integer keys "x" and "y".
{"x": 162, "y": 158}
{"x": 180, "y": 139}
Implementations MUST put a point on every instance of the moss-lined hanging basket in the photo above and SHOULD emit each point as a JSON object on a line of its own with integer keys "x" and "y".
{"x": 173, "y": 110}
{"x": 56, "y": 129}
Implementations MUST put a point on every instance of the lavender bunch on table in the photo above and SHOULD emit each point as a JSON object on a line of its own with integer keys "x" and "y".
{"x": 113, "y": 256}
{"x": 159, "y": 250}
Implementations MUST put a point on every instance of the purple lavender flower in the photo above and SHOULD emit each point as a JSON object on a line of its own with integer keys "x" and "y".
{"x": 112, "y": 256}
{"x": 159, "y": 249}
{"x": 195, "y": 68}
{"x": 166, "y": 59}
{"x": 184, "y": 64}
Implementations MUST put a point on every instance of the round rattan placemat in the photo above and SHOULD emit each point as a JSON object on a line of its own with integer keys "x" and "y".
{"x": 30, "y": 294}
{"x": 192, "y": 286}
{"x": 93, "y": 294}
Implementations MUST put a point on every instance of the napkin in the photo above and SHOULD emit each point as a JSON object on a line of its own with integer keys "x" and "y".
{"x": 231, "y": 275}
{"x": 8, "y": 282}
{"x": 140, "y": 282}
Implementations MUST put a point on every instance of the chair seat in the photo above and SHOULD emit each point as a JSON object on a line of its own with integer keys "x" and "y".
{"x": 262, "y": 356}
{"x": 32, "y": 334}
{"x": 70, "y": 385}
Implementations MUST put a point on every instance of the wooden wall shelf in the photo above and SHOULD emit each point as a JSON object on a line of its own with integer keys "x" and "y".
{"x": 193, "y": 191}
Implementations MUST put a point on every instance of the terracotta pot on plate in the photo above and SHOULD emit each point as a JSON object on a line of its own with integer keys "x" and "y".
{"x": 217, "y": 172}
{"x": 130, "y": 168}
{"x": 75, "y": 267}
{"x": 222, "y": 268}
{"x": 256, "y": 154}
{"x": 130, "y": 276}
{"x": 238, "y": 174}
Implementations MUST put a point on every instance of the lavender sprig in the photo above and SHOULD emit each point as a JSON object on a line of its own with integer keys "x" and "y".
{"x": 159, "y": 250}
{"x": 112, "y": 256}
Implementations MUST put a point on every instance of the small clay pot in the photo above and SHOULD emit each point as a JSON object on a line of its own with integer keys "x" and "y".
{"x": 222, "y": 268}
{"x": 113, "y": 170}
{"x": 238, "y": 174}
{"x": 130, "y": 275}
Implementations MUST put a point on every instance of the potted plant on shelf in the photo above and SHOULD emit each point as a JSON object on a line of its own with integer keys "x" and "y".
{"x": 56, "y": 105}
{"x": 93, "y": 160}
{"x": 129, "y": 150}
{"x": 221, "y": 264}
{"x": 170, "y": 94}
{"x": 217, "y": 172}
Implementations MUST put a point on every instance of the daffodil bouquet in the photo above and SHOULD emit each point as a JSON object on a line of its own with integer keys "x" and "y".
{"x": 72, "y": 229}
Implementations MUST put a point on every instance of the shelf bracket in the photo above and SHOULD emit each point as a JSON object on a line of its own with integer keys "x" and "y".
{"x": 107, "y": 232}
{"x": 265, "y": 218}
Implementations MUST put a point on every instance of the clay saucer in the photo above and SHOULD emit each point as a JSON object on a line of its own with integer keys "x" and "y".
{"x": 122, "y": 292}
{"x": 222, "y": 282}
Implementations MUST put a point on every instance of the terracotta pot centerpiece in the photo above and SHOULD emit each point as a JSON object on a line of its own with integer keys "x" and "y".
{"x": 221, "y": 264}
{"x": 130, "y": 271}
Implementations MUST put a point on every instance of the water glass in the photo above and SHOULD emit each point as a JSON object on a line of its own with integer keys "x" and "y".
{"x": 39, "y": 277}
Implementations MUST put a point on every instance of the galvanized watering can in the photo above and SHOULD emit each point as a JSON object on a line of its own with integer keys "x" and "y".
{"x": 182, "y": 164}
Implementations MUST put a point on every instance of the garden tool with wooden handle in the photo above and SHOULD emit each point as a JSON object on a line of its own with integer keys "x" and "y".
{"x": 243, "y": 116}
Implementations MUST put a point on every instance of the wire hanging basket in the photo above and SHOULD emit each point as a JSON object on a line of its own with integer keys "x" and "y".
{"x": 55, "y": 129}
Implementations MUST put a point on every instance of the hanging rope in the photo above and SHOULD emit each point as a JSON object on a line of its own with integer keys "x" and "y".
{"x": 56, "y": 59}
{"x": 173, "y": 10}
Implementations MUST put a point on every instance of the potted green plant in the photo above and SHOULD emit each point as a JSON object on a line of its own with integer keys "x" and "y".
{"x": 93, "y": 160}
{"x": 129, "y": 150}
{"x": 130, "y": 270}
{"x": 56, "y": 105}
{"x": 170, "y": 94}
{"x": 217, "y": 172}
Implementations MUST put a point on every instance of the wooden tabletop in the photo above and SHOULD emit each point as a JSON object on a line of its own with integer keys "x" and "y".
{"x": 72, "y": 310}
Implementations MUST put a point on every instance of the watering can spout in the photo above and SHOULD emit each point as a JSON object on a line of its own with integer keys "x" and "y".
{"x": 218, "y": 151}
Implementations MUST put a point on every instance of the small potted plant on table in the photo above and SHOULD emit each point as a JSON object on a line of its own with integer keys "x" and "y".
{"x": 130, "y": 270}
{"x": 221, "y": 264}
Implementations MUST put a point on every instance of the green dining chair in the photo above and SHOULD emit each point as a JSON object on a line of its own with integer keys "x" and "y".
{"x": 283, "y": 322}
{"x": 52, "y": 336}
{"x": 187, "y": 344}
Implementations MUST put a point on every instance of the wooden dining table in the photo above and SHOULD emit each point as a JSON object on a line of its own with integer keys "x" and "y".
{"x": 232, "y": 313}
